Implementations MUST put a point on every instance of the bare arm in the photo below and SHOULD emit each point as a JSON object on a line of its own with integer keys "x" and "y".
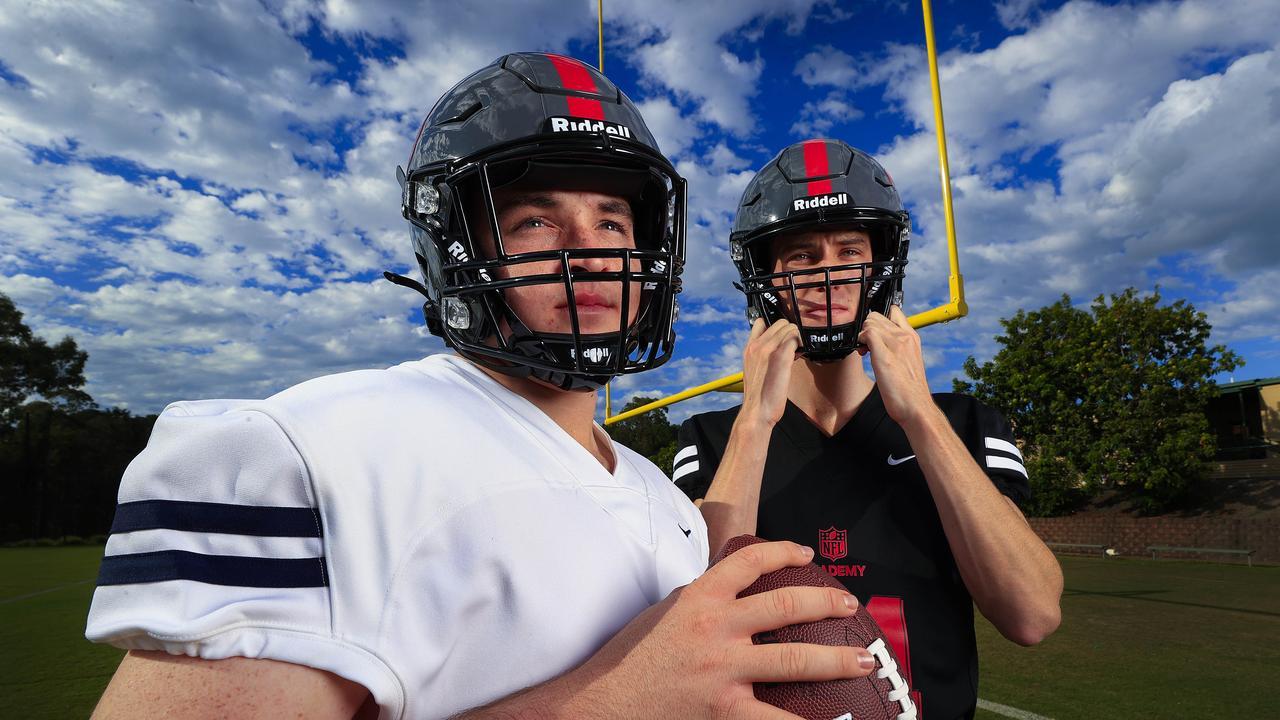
{"x": 732, "y": 504}
{"x": 1014, "y": 578}
{"x": 178, "y": 687}
{"x": 689, "y": 656}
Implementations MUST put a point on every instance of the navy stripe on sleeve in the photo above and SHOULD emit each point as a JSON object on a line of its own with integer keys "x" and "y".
{"x": 233, "y": 570}
{"x": 208, "y": 517}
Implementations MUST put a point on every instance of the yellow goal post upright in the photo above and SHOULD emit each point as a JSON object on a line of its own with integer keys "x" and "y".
{"x": 955, "y": 308}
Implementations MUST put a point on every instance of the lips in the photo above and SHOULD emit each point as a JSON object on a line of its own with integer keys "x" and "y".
{"x": 819, "y": 312}
{"x": 589, "y": 302}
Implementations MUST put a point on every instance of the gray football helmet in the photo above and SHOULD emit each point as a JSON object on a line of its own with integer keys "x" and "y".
{"x": 813, "y": 185}
{"x": 548, "y": 117}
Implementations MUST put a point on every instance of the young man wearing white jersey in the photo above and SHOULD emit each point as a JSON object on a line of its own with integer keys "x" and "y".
{"x": 456, "y": 535}
{"x": 907, "y": 496}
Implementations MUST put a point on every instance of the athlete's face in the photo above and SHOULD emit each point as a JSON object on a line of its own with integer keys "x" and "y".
{"x": 533, "y": 220}
{"x": 813, "y": 250}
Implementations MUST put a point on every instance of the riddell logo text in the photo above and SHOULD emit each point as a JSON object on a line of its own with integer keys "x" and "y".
{"x": 594, "y": 354}
{"x": 459, "y": 253}
{"x": 819, "y": 201}
{"x": 846, "y": 570}
{"x": 560, "y": 124}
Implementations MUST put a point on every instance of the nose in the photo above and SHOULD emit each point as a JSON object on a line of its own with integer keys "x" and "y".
{"x": 579, "y": 235}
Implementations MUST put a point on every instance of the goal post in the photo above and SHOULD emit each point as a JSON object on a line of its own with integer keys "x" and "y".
{"x": 954, "y": 308}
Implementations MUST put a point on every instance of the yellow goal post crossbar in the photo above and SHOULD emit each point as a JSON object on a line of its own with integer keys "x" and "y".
{"x": 954, "y": 308}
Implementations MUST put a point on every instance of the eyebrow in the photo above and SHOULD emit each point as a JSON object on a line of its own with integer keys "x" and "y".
{"x": 537, "y": 200}
{"x": 615, "y": 207}
{"x": 543, "y": 201}
{"x": 794, "y": 242}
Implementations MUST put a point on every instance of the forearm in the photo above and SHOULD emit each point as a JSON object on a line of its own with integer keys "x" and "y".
{"x": 733, "y": 499}
{"x": 1013, "y": 577}
{"x": 546, "y": 701}
{"x": 578, "y": 693}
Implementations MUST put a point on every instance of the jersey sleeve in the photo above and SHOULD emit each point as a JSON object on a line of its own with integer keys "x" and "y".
{"x": 996, "y": 451}
{"x": 693, "y": 467}
{"x": 217, "y": 550}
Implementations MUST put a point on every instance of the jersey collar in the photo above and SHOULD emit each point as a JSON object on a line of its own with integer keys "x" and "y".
{"x": 800, "y": 429}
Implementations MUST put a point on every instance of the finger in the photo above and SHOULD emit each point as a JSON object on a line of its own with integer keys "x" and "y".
{"x": 791, "y": 605}
{"x": 786, "y": 338}
{"x": 733, "y": 574}
{"x": 792, "y": 333}
{"x": 871, "y": 337}
{"x": 805, "y": 662}
{"x": 782, "y": 328}
{"x": 898, "y": 317}
{"x": 758, "y": 326}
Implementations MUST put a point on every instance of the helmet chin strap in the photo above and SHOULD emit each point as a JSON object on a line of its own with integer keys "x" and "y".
{"x": 522, "y": 341}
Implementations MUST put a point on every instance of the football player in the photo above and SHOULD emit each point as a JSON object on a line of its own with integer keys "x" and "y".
{"x": 909, "y": 498}
{"x": 456, "y": 534}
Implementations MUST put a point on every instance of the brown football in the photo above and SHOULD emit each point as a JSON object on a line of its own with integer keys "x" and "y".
{"x": 882, "y": 695}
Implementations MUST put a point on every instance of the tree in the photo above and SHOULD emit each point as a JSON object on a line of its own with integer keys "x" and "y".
{"x": 31, "y": 367}
{"x": 1112, "y": 398}
{"x": 649, "y": 434}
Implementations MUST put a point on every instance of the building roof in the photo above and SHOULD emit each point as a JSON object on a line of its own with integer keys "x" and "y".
{"x": 1247, "y": 384}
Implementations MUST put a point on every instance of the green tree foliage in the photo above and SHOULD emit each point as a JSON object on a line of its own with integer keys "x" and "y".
{"x": 61, "y": 458}
{"x": 649, "y": 434}
{"x": 62, "y": 469}
{"x": 31, "y": 367}
{"x": 1113, "y": 397}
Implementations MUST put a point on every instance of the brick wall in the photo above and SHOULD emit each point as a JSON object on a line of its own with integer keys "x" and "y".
{"x": 1130, "y": 536}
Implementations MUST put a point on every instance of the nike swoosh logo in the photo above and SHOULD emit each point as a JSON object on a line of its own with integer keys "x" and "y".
{"x": 898, "y": 461}
{"x": 686, "y": 532}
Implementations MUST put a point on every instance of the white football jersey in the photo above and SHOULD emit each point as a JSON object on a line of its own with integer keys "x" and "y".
{"x": 420, "y": 530}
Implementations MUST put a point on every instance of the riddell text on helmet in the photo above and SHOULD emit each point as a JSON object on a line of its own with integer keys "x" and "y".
{"x": 819, "y": 201}
{"x": 562, "y": 124}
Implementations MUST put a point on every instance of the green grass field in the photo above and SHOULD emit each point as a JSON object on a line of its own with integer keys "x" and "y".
{"x": 1139, "y": 639}
{"x": 47, "y": 668}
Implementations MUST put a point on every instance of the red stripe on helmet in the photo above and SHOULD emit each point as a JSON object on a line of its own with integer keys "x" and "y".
{"x": 815, "y": 165}
{"x": 575, "y": 76}
{"x": 584, "y": 108}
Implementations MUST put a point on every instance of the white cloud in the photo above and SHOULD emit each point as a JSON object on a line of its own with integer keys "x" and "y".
{"x": 215, "y": 199}
{"x": 1152, "y": 161}
{"x": 1017, "y": 14}
{"x": 714, "y": 192}
{"x": 674, "y": 130}
{"x": 152, "y": 342}
{"x": 818, "y": 117}
{"x": 828, "y": 66}
{"x": 683, "y": 51}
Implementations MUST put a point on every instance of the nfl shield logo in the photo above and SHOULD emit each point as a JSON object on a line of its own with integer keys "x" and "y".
{"x": 832, "y": 543}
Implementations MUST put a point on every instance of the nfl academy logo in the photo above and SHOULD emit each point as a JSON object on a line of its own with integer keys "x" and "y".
{"x": 833, "y": 544}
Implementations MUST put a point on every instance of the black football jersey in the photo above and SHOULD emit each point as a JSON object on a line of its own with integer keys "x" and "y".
{"x": 860, "y": 500}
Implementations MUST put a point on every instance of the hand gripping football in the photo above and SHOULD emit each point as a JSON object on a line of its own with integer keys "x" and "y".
{"x": 882, "y": 695}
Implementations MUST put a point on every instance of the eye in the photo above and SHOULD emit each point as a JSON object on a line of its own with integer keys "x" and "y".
{"x": 613, "y": 226}
{"x": 530, "y": 223}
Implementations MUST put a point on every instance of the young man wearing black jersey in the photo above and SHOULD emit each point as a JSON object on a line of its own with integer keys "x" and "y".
{"x": 908, "y": 498}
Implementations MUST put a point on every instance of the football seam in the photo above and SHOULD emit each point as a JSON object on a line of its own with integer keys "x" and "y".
{"x": 901, "y": 692}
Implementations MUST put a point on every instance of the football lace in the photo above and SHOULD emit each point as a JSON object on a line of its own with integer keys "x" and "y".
{"x": 901, "y": 692}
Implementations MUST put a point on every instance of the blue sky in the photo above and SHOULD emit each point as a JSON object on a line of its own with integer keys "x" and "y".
{"x": 203, "y": 194}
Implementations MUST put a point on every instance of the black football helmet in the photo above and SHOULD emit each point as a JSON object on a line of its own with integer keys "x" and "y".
{"x": 534, "y": 117}
{"x": 816, "y": 185}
